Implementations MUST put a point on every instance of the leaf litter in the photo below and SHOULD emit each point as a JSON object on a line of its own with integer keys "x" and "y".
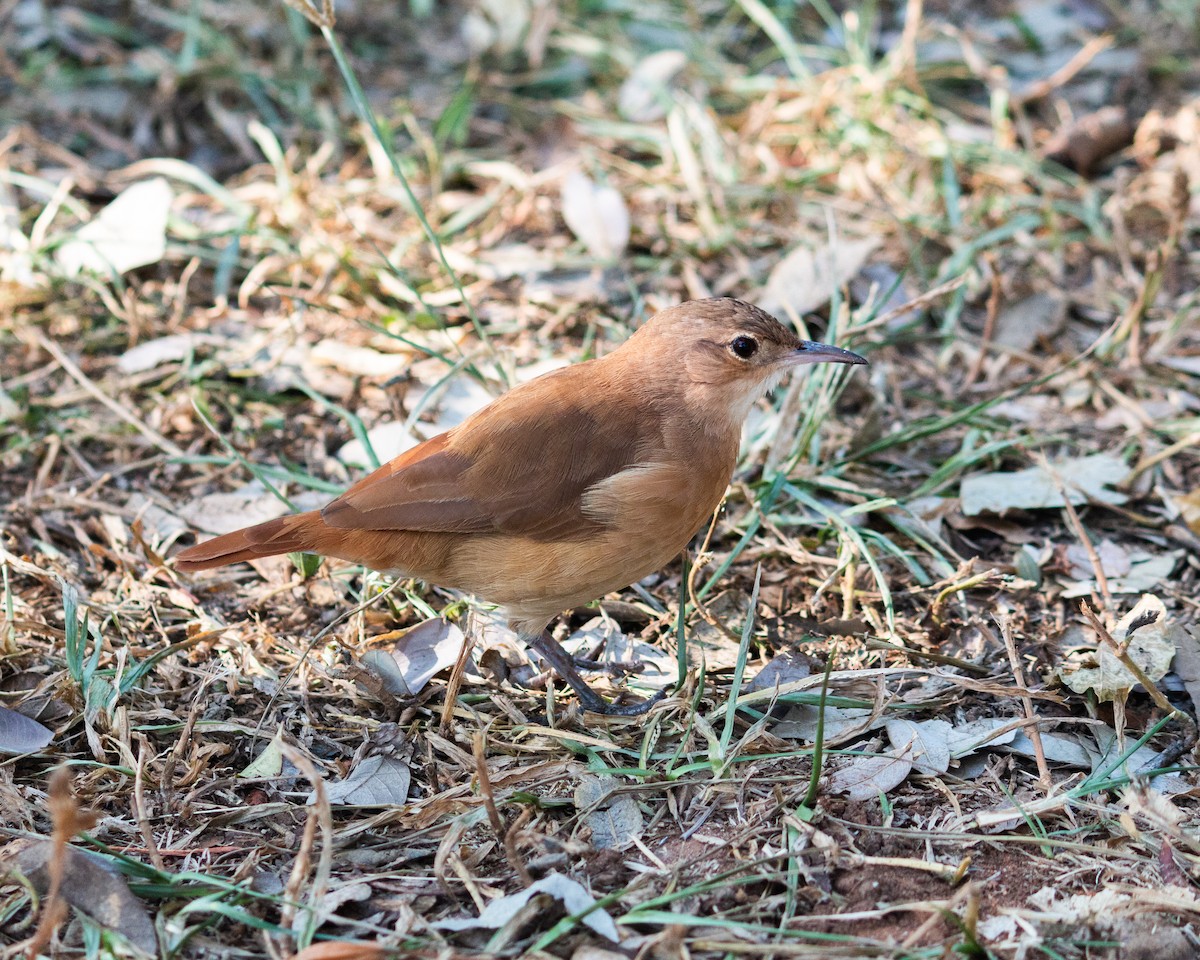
{"x": 1056, "y": 317}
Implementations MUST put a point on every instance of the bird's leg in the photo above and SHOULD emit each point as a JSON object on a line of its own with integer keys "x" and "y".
{"x": 562, "y": 664}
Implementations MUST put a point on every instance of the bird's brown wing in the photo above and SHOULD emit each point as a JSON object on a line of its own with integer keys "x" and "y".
{"x": 520, "y": 466}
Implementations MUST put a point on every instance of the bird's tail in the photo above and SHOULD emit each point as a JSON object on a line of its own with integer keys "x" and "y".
{"x": 298, "y": 532}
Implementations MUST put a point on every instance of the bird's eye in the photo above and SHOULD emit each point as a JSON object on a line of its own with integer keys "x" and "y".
{"x": 744, "y": 347}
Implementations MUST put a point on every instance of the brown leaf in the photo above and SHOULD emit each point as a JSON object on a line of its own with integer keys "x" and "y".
{"x": 89, "y": 886}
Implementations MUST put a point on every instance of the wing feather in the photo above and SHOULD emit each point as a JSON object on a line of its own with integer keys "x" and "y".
{"x": 520, "y": 466}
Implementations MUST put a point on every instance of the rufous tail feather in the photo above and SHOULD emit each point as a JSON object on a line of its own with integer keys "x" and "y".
{"x": 299, "y": 532}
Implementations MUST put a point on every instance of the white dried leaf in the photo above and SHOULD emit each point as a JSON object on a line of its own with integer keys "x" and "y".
{"x": 806, "y": 277}
{"x": 269, "y": 763}
{"x": 571, "y": 894}
{"x": 421, "y": 652}
{"x": 1083, "y": 478}
{"x": 978, "y": 734}
{"x": 865, "y": 778}
{"x": 646, "y": 95}
{"x": 20, "y": 734}
{"x": 800, "y": 722}
{"x": 1056, "y": 747}
{"x": 226, "y": 512}
{"x": 1114, "y": 560}
{"x": 785, "y": 667}
{"x": 614, "y": 818}
{"x": 926, "y": 743}
{"x": 1151, "y": 647}
{"x": 388, "y": 440}
{"x": 154, "y": 353}
{"x": 1146, "y": 572}
{"x": 377, "y": 781}
{"x": 596, "y": 215}
{"x": 360, "y": 361}
{"x": 130, "y": 232}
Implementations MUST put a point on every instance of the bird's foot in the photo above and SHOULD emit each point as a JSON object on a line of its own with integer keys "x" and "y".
{"x": 565, "y": 667}
{"x": 611, "y": 668}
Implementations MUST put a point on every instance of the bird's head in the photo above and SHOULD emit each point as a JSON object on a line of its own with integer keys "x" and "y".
{"x": 729, "y": 352}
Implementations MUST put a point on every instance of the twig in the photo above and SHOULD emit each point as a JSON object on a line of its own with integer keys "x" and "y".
{"x": 989, "y": 324}
{"x": 1064, "y": 74}
{"x": 1035, "y": 735}
{"x": 1077, "y": 528}
{"x": 455, "y": 682}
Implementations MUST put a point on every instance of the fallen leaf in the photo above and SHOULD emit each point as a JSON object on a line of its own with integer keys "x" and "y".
{"x": 807, "y": 277}
{"x": 1151, "y": 647}
{"x": 377, "y": 781}
{"x": 596, "y": 215}
{"x": 388, "y": 440}
{"x": 92, "y": 887}
{"x": 1056, "y": 747}
{"x": 614, "y": 818}
{"x": 360, "y": 361}
{"x": 646, "y": 94}
{"x": 865, "y": 778}
{"x": 1114, "y": 560}
{"x": 572, "y": 895}
{"x": 1188, "y": 505}
{"x": 926, "y": 743}
{"x": 1146, "y": 572}
{"x": 800, "y": 722}
{"x": 1084, "y": 479}
{"x": 1022, "y": 324}
{"x": 783, "y": 668}
{"x": 268, "y": 764}
{"x": 130, "y": 232}
{"x": 1187, "y": 663}
{"x": 343, "y": 950}
{"x": 20, "y": 734}
{"x": 967, "y": 738}
{"x": 420, "y": 653}
{"x": 154, "y": 353}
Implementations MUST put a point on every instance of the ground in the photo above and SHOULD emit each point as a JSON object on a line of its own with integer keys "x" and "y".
{"x": 247, "y": 250}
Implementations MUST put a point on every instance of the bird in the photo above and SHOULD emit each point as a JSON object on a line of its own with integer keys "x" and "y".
{"x": 568, "y": 487}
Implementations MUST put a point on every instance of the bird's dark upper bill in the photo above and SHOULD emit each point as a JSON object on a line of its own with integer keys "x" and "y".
{"x": 811, "y": 352}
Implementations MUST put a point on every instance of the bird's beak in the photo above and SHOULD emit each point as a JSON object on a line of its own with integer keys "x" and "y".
{"x": 810, "y": 352}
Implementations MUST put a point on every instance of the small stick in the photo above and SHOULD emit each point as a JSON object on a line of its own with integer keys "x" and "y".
{"x": 1077, "y": 528}
{"x": 989, "y": 324}
{"x": 1035, "y": 735}
{"x": 455, "y": 682}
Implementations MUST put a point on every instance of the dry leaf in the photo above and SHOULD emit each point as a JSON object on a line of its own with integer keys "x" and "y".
{"x": 91, "y": 886}
{"x": 596, "y": 215}
{"x": 343, "y": 950}
{"x": 419, "y": 654}
{"x": 20, "y": 734}
{"x": 1151, "y": 647}
{"x": 865, "y": 778}
{"x": 572, "y": 895}
{"x": 130, "y": 232}
{"x": 377, "y": 781}
{"x": 614, "y": 818}
{"x": 646, "y": 95}
{"x": 1083, "y": 478}
{"x": 926, "y": 743}
{"x": 806, "y": 278}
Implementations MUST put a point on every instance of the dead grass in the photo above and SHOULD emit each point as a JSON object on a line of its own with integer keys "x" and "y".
{"x": 211, "y": 723}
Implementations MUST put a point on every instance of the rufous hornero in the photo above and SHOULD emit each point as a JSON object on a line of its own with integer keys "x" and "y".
{"x": 566, "y": 488}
